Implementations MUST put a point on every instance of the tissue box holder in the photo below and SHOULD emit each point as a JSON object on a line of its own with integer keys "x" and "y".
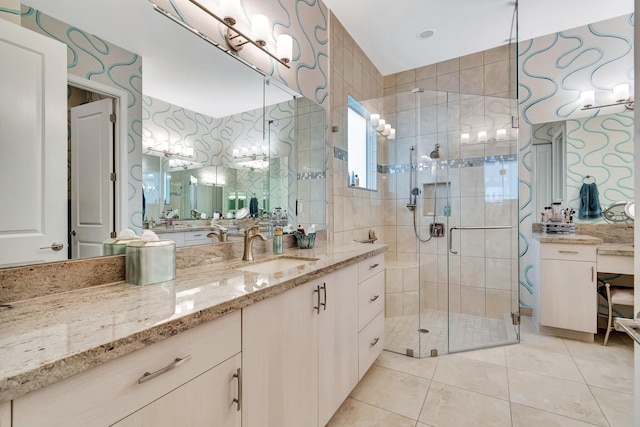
{"x": 150, "y": 262}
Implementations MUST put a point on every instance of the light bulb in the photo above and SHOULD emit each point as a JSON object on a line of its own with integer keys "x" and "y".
{"x": 387, "y": 130}
{"x": 236, "y": 152}
{"x": 392, "y": 134}
{"x": 482, "y": 136}
{"x": 501, "y": 134}
{"x": 375, "y": 118}
{"x": 231, "y": 11}
{"x": 621, "y": 92}
{"x": 381, "y": 124}
{"x": 464, "y": 138}
{"x": 284, "y": 47}
{"x": 587, "y": 98}
{"x": 260, "y": 29}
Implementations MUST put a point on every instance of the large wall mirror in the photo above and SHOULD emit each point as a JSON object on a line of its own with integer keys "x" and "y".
{"x": 200, "y": 118}
{"x": 570, "y": 153}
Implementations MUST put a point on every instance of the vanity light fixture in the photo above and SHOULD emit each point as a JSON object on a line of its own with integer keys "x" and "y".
{"x": 620, "y": 95}
{"x": 163, "y": 148}
{"x": 382, "y": 127}
{"x": 230, "y": 11}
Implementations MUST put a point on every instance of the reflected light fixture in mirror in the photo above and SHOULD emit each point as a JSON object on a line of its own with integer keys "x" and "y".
{"x": 382, "y": 127}
{"x": 163, "y": 148}
{"x": 620, "y": 95}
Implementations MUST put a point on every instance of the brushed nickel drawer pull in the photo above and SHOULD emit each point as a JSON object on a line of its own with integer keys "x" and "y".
{"x": 374, "y": 342}
{"x": 238, "y": 401}
{"x": 323, "y": 304}
{"x": 151, "y": 375}
{"x": 374, "y": 298}
{"x": 371, "y": 267}
{"x": 569, "y": 252}
{"x": 317, "y": 307}
{"x": 54, "y": 247}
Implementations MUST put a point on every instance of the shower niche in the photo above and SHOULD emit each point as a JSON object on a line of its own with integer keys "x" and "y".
{"x": 434, "y": 196}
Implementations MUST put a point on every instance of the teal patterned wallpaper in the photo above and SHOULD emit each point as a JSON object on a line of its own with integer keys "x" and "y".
{"x": 95, "y": 59}
{"x": 553, "y": 69}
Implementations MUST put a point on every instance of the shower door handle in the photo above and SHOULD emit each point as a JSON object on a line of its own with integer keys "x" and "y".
{"x": 487, "y": 227}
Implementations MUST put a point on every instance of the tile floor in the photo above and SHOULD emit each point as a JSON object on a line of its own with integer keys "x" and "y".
{"x": 544, "y": 381}
{"x": 467, "y": 332}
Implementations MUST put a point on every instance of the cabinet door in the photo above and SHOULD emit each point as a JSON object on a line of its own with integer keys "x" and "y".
{"x": 205, "y": 400}
{"x": 568, "y": 295}
{"x": 338, "y": 341}
{"x": 280, "y": 360}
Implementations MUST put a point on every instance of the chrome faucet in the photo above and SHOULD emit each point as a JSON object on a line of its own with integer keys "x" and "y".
{"x": 218, "y": 231}
{"x": 249, "y": 235}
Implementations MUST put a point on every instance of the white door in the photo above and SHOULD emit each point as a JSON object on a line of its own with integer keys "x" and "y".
{"x": 33, "y": 147}
{"x": 92, "y": 191}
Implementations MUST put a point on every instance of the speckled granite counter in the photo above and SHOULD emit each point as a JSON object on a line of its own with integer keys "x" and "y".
{"x": 618, "y": 249}
{"x": 580, "y": 239}
{"x": 49, "y": 338}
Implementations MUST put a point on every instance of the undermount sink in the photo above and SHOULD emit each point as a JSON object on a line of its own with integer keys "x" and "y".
{"x": 276, "y": 265}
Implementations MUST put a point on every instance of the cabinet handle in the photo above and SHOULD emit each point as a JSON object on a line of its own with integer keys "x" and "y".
{"x": 593, "y": 272}
{"x": 317, "y": 291}
{"x": 374, "y": 298}
{"x": 151, "y": 375}
{"x": 374, "y": 342}
{"x": 238, "y": 401}
{"x": 324, "y": 301}
{"x": 197, "y": 235}
{"x": 569, "y": 252}
{"x": 371, "y": 267}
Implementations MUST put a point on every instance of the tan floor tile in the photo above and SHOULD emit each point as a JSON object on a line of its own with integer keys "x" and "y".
{"x": 481, "y": 377}
{"x": 524, "y": 416}
{"x": 392, "y": 390}
{"x": 422, "y": 425}
{"x": 612, "y": 376}
{"x": 562, "y": 397}
{"x": 543, "y": 342}
{"x": 354, "y": 413}
{"x": 617, "y": 407}
{"x": 543, "y": 362}
{"x": 494, "y": 355}
{"x": 615, "y": 351}
{"x": 444, "y": 407}
{"x": 409, "y": 365}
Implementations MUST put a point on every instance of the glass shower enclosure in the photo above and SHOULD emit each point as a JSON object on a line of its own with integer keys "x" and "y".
{"x": 451, "y": 176}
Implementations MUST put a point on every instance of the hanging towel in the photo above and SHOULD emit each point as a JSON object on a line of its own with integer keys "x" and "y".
{"x": 253, "y": 207}
{"x": 589, "y": 202}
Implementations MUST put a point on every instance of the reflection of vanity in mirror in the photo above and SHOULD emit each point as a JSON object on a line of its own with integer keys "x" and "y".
{"x": 255, "y": 139}
{"x": 567, "y": 154}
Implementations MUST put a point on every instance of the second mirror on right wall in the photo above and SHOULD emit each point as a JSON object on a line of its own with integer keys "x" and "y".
{"x": 570, "y": 153}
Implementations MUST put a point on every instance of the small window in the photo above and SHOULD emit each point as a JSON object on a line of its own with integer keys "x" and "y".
{"x": 361, "y": 146}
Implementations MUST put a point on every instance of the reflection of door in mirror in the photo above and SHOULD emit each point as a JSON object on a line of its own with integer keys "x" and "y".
{"x": 92, "y": 190}
{"x": 33, "y": 146}
{"x": 548, "y": 165}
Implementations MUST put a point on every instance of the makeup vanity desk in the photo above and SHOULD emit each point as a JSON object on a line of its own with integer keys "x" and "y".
{"x": 565, "y": 274}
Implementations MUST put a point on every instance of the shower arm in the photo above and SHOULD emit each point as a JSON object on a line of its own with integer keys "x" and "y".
{"x": 488, "y": 227}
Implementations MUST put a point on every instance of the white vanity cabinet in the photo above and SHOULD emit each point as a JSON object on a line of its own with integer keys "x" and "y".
{"x": 370, "y": 312}
{"x": 191, "y": 378}
{"x": 567, "y": 296}
{"x": 300, "y": 352}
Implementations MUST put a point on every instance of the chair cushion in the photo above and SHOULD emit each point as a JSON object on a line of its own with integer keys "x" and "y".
{"x": 621, "y": 296}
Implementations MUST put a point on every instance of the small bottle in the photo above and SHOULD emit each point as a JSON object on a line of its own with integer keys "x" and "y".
{"x": 352, "y": 179}
{"x": 277, "y": 240}
{"x": 357, "y": 181}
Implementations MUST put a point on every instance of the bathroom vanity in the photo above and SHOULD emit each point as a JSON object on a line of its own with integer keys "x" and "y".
{"x": 279, "y": 341}
{"x": 565, "y": 284}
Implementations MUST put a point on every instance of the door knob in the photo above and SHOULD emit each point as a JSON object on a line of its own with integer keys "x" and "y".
{"x": 73, "y": 232}
{"x": 54, "y": 246}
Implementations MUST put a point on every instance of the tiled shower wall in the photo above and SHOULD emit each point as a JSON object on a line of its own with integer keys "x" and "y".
{"x": 352, "y": 212}
{"x": 484, "y": 274}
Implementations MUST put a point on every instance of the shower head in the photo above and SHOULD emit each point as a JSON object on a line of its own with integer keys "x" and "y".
{"x": 435, "y": 154}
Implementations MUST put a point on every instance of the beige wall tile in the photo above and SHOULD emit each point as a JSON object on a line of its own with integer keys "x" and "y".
{"x": 426, "y": 72}
{"x": 498, "y": 303}
{"x": 470, "y": 61}
{"x": 406, "y": 77}
{"x": 472, "y": 301}
{"x": 411, "y": 303}
{"x": 447, "y": 67}
{"x": 500, "y": 53}
{"x": 393, "y": 304}
{"x": 449, "y": 82}
{"x": 496, "y": 77}
{"x": 472, "y": 81}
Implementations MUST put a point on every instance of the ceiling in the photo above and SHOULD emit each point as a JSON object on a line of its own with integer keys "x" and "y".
{"x": 388, "y": 32}
{"x": 199, "y": 78}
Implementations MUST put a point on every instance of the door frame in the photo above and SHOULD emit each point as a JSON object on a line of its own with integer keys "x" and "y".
{"x": 120, "y": 135}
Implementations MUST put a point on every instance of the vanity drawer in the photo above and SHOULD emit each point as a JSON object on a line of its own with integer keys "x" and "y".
{"x": 370, "y": 266}
{"x": 370, "y": 344}
{"x": 370, "y": 299}
{"x": 567, "y": 251}
{"x": 109, "y": 392}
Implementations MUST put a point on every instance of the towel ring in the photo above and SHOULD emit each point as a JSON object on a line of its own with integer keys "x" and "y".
{"x": 589, "y": 177}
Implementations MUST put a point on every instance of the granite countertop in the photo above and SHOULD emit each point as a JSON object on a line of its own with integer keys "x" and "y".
{"x": 581, "y": 239}
{"x": 47, "y": 339}
{"x": 618, "y": 249}
{"x": 181, "y": 229}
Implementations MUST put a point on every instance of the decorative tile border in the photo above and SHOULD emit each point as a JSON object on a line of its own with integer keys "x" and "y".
{"x": 312, "y": 175}
{"x": 453, "y": 164}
